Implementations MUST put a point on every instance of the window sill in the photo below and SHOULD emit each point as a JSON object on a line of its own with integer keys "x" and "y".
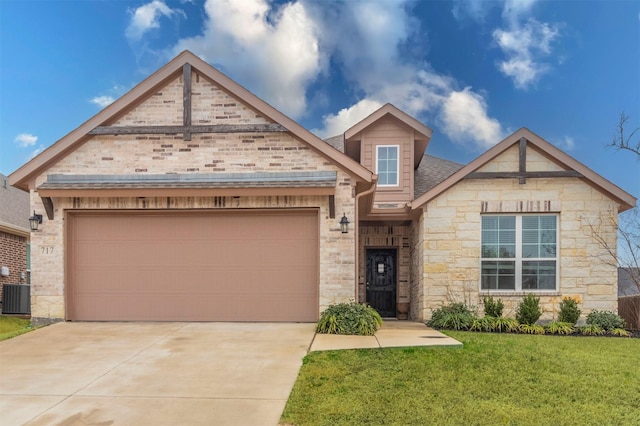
{"x": 505, "y": 293}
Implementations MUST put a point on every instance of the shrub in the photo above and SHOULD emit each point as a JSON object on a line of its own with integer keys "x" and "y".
{"x": 529, "y": 310}
{"x": 486, "y": 323}
{"x": 492, "y": 308}
{"x": 531, "y": 329}
{"x": 559, "y": 327}
{"x": 503, "y": 325}
{"x": 349, "y": 318}
{"x": 456, "y": 316}
{"x": 591, "y": 330}
{"x": 620, "y": 332}
{"x": 606, "y": 320}
{"x": 569, "y": 311}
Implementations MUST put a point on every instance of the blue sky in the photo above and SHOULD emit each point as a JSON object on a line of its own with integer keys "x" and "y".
{"x": 473, "y": 71}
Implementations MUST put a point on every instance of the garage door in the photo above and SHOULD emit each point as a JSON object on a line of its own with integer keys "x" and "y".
{"x": 231, "y": 266}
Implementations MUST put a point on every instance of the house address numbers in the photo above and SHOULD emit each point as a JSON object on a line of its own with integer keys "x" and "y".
{"x": 46, "y": 249}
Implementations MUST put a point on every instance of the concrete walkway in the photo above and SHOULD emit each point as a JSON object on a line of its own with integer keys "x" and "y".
{"x": 391, "y": 334}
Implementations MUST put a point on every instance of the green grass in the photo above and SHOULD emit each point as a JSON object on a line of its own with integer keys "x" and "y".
{"x": 496, "y": 379}
{"x": 13, "y": 326}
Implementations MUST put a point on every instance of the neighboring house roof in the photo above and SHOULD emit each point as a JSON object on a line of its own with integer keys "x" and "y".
{"x": 626, "y": 284}
{"x": 431, "y": 171}
{"x": 14, "y": 209}
{"x": 24, "y": 177}
{"x": 624, "y": 199}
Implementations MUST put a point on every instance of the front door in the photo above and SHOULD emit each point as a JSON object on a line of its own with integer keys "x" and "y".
{"x": 381, "y": 281}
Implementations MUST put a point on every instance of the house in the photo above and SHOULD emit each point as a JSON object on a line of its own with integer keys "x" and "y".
{"x": 189, "y": 198}
{"x": 629, "y": 296}
{"x": 627, "y": 278}
{"x": 14, "y": 235}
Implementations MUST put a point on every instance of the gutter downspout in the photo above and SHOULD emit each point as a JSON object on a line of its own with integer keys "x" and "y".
{"x": 374, "y": 183}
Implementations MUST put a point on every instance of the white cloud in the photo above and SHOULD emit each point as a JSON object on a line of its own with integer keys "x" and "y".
{"x": 102, "y": 101}
{"x": 388, "y": 77}
{"x": 280, "y": 50}
{"x": 524, "y": 46}
{"x": 464, "y": 115}
{"x": 275, "y": 49}
{"x": 36, "y": 151}
{"x": 147, "y": 17}
{"x": 109, "y": 96}
{"x": 26, "y": 139}
{"x": 336, "y": 124}
{"x": 565, "y": 143}
{"x": 474, "y": 9}
{"x": 514, "y": 10}
{"x": 524, "y": 41}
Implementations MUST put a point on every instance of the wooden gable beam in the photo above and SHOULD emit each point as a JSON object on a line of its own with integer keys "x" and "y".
{"x": 522, "y": 175}
{"x": 186, "y": 101}
{"x": 48, "y": 207}
{"x": 161, "y": 130}
{"x": 187, "y": 128}
{"x": 522, "y": 166}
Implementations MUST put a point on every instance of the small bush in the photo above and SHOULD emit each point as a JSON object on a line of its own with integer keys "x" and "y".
{"x": 606, "y": 320}
{"x": 492, "y": 308}
{"x": 456, "y": 316}
{"x": 569, "y": 311}
{"x": 531, "y": 329}
{"x": 529, "y": 310}
{"x": 349, "y": 318}
{"x": 505, "y": 325}
{"x": 620, "y": 332}
{"x": 591, "y": 330}
{"x": 559, "y": 327}
{"x": 486, "y": 323}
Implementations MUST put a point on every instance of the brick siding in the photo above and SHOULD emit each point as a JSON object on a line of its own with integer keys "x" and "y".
{"x": 13, "y": 254}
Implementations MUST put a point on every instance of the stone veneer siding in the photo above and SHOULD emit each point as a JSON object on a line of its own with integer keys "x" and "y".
{"x": 452, "y": 232}
{"x": 416, "y": 282}
{"x": 385, "y": 237}
{"x": 205, "y": 153}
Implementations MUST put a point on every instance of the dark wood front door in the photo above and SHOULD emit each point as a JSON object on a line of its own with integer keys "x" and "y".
{"x": 381, "y": 281}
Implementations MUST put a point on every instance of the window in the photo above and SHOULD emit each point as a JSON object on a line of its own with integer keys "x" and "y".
{"x": 519, "y": 253}
{"x": 387, "y": 165}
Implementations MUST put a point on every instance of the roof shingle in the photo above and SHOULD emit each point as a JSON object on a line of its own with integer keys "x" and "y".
{"x": 14, "y": 204}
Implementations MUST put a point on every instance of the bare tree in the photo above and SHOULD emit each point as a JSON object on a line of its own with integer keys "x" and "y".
{"x": 626, "y": 254}
{"x": 626, "y": 142}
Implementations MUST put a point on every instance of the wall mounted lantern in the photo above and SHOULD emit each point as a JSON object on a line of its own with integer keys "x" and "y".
{"x": 34, "y": 221}
{"x": 344, "y": 224}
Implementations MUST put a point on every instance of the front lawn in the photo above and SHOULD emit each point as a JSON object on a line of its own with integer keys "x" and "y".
{"x": 495, "y": 379}
{"x": 13, "y": 326}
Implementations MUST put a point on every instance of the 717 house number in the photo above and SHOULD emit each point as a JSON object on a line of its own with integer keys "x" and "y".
{"x": 46, "y": 250}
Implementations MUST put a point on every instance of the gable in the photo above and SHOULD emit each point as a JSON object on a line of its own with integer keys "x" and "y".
{"x": 213, "y": 105}
{"x": 210, "y": 105}
{"x": 508, "y": 161}
{"x": 385, "y": 132}
{"x": 535, "y": 159}
{"x": 419, "y": 133}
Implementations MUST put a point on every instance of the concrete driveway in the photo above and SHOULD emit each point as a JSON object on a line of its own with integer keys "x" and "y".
{"x": 151, "y": 373}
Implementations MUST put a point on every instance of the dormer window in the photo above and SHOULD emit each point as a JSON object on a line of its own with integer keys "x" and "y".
{"x": 387, "y": 165}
